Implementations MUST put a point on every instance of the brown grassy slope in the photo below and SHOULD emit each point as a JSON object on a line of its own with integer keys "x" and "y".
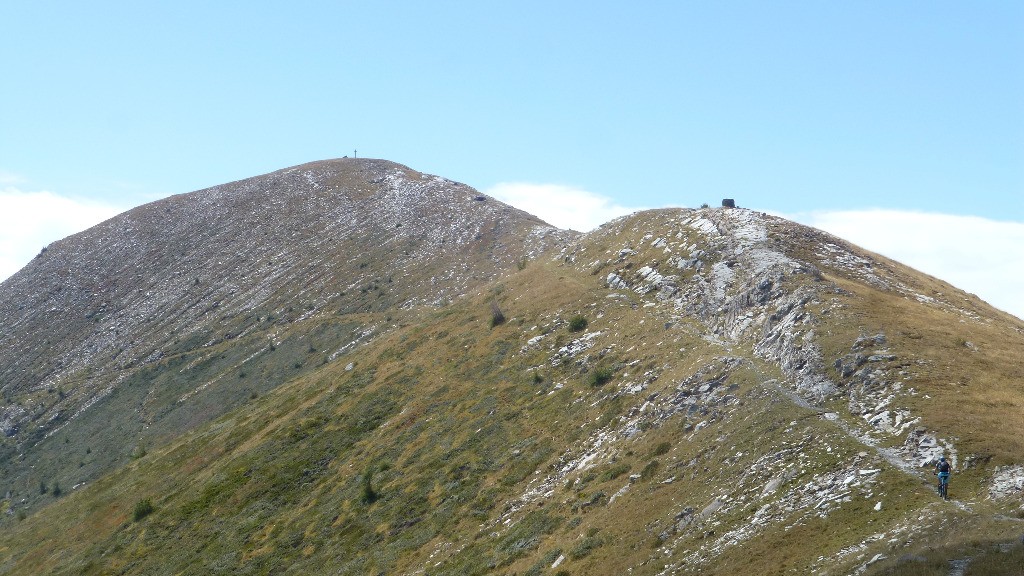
{"x": 964, "y": 359}
{"x": 462, "y": 438}
{"x": 467, "y": 416}
{"x": 166, "y": 316}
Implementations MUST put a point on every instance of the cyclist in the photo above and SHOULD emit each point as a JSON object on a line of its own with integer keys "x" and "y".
{"x": 942, "y": 470}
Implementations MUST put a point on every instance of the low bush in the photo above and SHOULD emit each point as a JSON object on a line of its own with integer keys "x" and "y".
{"x": 577, "y": 323}
{"x": 369, "y": 495}
{"x": 662, "y": 448}
{"x": 584, "y": 547}
{"x": 497, "y": 317}
{"x": 600, "y": 376}
{"x": 649, "y": 470}
{"x": 143, "y": 508}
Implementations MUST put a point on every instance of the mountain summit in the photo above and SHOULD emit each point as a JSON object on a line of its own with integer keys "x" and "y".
{"x": 352, "y": 367}
{"x": 343, "y": 244}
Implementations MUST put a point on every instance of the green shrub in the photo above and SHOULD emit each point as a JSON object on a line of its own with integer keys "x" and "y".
{"x": 577, "y": 323}
{"x": 540, "y": 566}
{"x": 584, "y": 547}
{"x": 614, "y": 472}
{"x": 369, "y": 495}
{"x": 662, "y": 448}
{"x": 497, "y": 317}
{"x": 600, "y": 376}
{"x": 648, "y": 472}
{"x": 143, "y": 508}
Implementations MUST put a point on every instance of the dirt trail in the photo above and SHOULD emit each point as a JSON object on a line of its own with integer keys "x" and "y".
{"x": 890, "y": 455}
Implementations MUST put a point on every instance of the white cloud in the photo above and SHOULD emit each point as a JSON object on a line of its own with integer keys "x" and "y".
{"x": 10, "y": 179}
{"x": 31, "y": 220}
{"x": 981, "y": 256}
{"x": 562, "y": 206}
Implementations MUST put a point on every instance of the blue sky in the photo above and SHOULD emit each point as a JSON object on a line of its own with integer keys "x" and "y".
{"x": 813, "y": 110}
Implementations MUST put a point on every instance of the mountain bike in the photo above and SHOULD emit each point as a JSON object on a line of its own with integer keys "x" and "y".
{"x": 943, "y": 486}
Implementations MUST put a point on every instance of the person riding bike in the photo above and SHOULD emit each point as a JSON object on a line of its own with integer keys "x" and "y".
{"x": 942, "y": 471}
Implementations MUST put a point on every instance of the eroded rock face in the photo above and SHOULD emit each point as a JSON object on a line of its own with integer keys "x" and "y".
{"x": 723, "y": 268}
{"x": 1007, "y": 482}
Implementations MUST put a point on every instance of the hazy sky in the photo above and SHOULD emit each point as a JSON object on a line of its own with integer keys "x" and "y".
{"x": 899, "y": 126}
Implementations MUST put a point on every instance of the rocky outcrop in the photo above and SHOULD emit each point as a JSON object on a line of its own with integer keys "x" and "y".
{"x": 1007, "y": 482}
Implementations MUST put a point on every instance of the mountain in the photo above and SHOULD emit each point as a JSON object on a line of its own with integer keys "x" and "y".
{"x": 350, "y": 367}
{"x": 171, "y": 314}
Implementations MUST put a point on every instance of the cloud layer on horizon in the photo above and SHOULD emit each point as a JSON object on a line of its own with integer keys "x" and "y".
{"x": 559, "y": 205}
{"x": 979, "y": 255}
{"x": 30, "y": 221}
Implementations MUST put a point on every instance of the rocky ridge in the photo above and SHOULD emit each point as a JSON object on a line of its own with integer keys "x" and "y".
{"x": 721, "y": 267}
{"x": 731, "y": 390}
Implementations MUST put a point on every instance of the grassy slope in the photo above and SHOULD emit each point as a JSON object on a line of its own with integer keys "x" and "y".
{"x": 176, "y": 304}
{"x": 449, "y": 422}
{"x": 966, "y": 365}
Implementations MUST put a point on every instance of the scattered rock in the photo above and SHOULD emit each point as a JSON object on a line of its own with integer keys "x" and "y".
{"x": 869, "y": 341}
{"x": 1006, "y": 482}
{"x": 876, "y": 558}
{"x": 615, "y": 282}
{"x": 848, "y": 364}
